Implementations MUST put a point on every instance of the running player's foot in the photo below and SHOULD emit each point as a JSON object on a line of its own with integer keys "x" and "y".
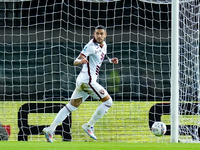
{"x": 89, "y": 130}
{"x": 48, "y": 135}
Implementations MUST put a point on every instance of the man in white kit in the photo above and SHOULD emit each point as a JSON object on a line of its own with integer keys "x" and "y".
{"x": 91, "y": 58}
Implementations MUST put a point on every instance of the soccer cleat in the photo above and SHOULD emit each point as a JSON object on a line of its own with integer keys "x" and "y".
{"x": 89, "y": 130}
{"x": 48, "y": 135}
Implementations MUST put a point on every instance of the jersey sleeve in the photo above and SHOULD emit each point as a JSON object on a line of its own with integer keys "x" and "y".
{"x": 87, "y": 50}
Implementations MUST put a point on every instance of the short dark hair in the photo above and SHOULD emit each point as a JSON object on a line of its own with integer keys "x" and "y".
{"x": 100, "y": 27}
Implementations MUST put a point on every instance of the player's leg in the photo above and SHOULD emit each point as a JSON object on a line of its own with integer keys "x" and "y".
{"x": 99, "y": 113}
{"x": 76, "y": 100}
{"x": 101, "y": 110}
{"x": 62, "y": 114}
{"x": 97, "y": 92}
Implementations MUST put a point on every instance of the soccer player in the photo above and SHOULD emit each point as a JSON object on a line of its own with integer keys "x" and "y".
{"x": 91, "y": 59}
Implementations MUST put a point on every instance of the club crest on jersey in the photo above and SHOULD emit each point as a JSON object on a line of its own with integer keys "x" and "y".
{"x": 96, "y": 51}
{"x": 102, "y": 92}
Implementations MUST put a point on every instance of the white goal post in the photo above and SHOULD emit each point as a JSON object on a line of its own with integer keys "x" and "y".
{"x": 157, "y": 78}
{"x": 174, "y": 71}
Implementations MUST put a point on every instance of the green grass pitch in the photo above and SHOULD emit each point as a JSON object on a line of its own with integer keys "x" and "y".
{"x": 96, "y": 146}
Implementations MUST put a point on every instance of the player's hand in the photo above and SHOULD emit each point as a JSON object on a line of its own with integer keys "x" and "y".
{"x": 114, "y": 60}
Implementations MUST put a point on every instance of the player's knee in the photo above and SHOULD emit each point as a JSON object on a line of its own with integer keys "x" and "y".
{"x": 108, "y": 103}
{"x": 76, "y": 102}
{"x": 70, "y": 107}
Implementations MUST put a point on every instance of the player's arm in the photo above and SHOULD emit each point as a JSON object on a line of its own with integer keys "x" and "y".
{"x": 81, "y": 59}
{"x": 112, "y": 60}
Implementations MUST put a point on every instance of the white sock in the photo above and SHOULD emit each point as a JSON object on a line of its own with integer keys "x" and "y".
{"x": 100, "y": 111}
{"x": 62, "y": 114}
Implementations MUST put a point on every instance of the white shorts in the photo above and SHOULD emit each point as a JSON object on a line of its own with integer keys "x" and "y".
{"x": 92, "y": 89}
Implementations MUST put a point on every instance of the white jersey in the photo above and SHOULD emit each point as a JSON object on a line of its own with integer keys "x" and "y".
{"x": 95, "y": 54}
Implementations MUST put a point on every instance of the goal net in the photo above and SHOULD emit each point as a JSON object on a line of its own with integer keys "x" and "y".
{"x": 39, "y": 41}
{"x": 189, "y": 71}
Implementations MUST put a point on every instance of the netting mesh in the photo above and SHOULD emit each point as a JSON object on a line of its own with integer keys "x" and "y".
{"x": 39, "y": 41}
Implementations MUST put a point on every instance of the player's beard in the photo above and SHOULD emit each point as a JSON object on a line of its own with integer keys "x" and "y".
{"x": 100, "y": 41}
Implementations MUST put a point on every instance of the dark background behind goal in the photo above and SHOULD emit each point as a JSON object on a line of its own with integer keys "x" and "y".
{"x": 39, "y": 41}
